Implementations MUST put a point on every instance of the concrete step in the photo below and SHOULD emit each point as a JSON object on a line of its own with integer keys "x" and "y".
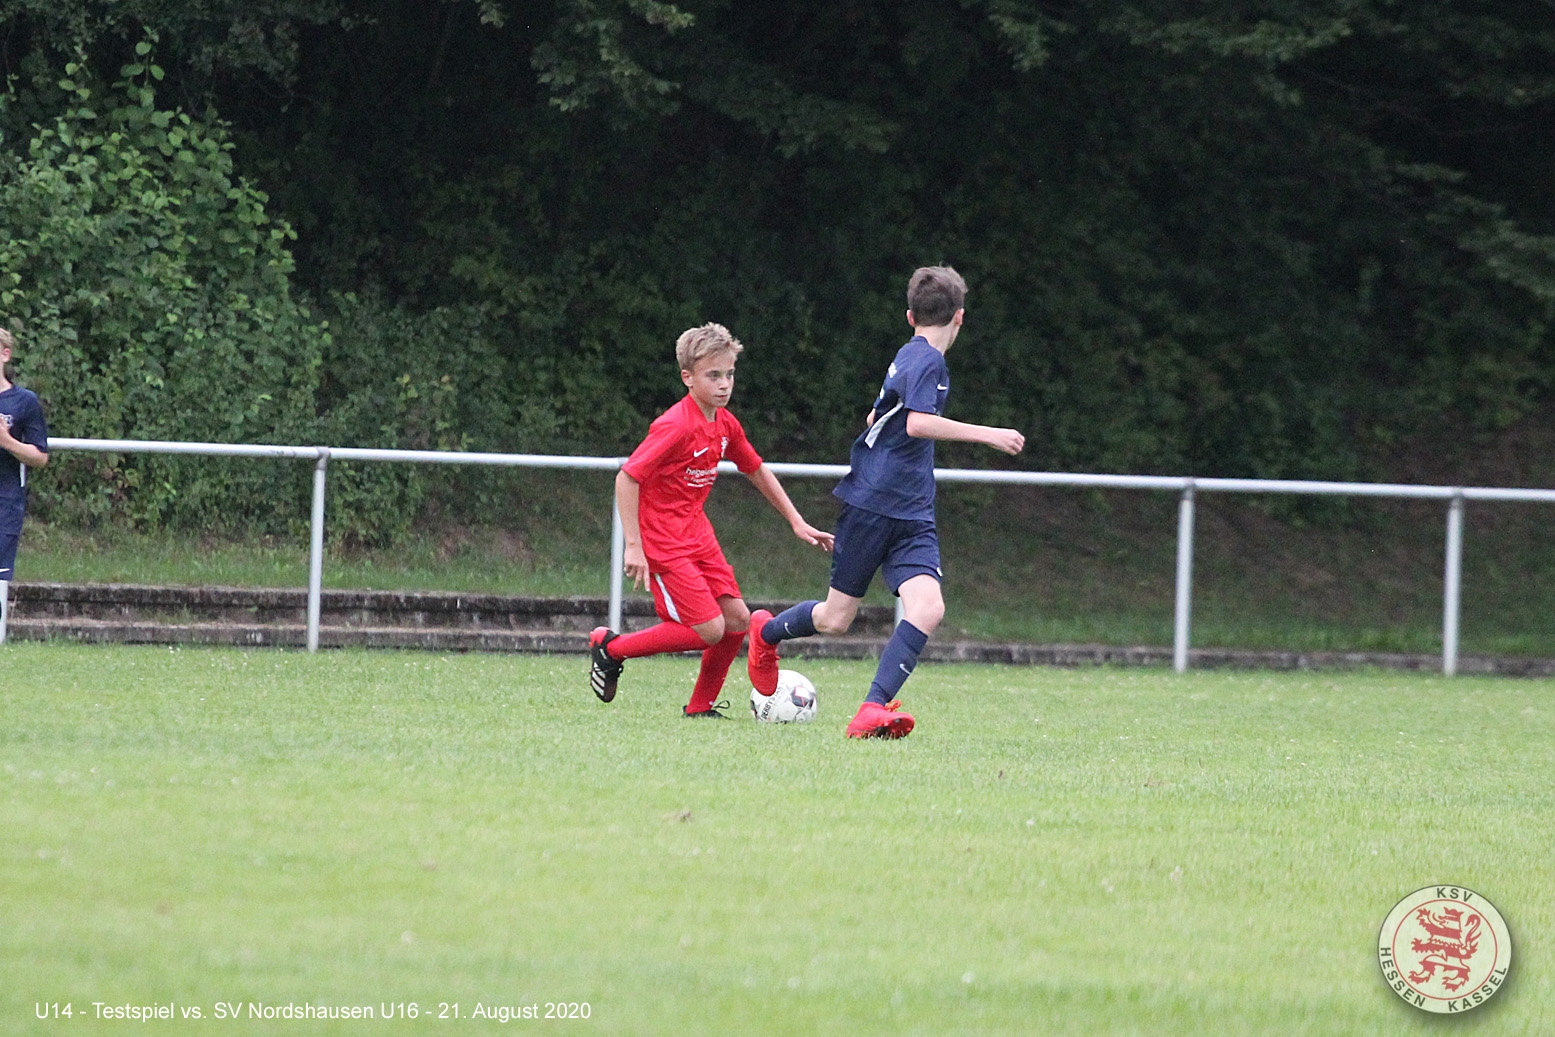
{"x": 295, "y": 635}
{"x": 377, "y": 610}
{"x": 135, "y": 614}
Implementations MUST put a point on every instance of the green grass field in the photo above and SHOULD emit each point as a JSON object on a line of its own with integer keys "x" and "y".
{"x": 1083, "y": 852}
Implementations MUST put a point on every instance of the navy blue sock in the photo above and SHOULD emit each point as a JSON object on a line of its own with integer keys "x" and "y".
{"x": 793, "y": 622}
{"x": 897, "y": 662}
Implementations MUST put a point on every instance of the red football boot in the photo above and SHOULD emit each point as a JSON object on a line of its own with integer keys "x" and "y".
{"x": 876, "y": 721}
{"x": 761, "y": 658}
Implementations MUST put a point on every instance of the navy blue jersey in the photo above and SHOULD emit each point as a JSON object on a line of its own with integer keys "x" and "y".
{"x": 20, "y": 409}
{"x": 892, "y": 473}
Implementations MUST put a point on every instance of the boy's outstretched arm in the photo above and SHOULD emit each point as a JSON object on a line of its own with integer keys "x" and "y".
{"x": 635, "y": 563}
{"x": 932, "y": 426}
{"x": 770, "y": 488}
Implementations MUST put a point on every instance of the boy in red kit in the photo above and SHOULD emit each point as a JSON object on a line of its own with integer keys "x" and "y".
{"x": 670, "y": 546}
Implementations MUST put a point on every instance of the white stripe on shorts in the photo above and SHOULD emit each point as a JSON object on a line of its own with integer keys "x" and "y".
{"x": 669, "y": 602}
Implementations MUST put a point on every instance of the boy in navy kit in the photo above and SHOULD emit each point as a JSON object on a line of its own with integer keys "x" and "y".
{"x": 670, "y": 545}
{"x": 24, "y": 440}
{"x": 887, "y": 520}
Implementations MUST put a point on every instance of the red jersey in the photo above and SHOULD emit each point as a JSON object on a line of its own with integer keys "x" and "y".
{"x": 676, "y": 466}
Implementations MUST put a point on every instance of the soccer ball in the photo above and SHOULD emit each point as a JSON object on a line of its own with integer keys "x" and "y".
{"x": 792, "y": 703}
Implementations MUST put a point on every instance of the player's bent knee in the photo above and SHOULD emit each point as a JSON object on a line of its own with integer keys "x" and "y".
{"x": 922, "y": 603}
{"x": 737, "y": 617}
{"x": 925, "y": 614}
{"x": 712, "y": 631}
{"x": 832, "y": 626}
{"x": 926, "y": 618}
{"x": 832, "y": 622}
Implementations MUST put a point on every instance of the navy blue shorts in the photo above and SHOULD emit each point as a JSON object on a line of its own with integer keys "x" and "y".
{"x": 8, "y": 542}
{"x": 899, "y": 548}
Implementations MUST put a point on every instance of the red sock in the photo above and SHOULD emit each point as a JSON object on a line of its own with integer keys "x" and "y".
{"x": 665, "y": 637}
{"x": 715, "y": 667}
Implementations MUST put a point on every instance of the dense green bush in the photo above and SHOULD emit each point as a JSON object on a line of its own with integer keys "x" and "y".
{"x": 1196, "y": 241}
{"x": 153, "y": 292}
{"x": 154, "y": 296}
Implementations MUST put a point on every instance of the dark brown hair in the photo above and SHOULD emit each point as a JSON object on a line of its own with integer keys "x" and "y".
{"x": 934, "y": 294}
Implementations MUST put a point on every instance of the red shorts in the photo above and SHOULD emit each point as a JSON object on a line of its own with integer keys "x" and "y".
{"x": 687, "y": 590}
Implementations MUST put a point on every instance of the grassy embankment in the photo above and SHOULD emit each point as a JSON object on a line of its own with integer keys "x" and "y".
{"x": 1034, "y": 565}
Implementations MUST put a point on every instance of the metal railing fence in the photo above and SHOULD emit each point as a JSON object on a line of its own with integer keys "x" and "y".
{"x": 1187, "y": 487}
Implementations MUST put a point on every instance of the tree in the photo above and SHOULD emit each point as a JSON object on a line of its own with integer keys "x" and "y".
{"x": 1255, "y": 238}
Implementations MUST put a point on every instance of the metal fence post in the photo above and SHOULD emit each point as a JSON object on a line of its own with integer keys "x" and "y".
{"x": 1184, "y": 607}
{"x": 1453, "y": 584}
{"x": 316, "y": 549}
{"x": 617, "y": 563}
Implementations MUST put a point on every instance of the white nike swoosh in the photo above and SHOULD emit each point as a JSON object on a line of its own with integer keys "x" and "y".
{"x": 699, "y": 453}
{"x": 944, "y": 387}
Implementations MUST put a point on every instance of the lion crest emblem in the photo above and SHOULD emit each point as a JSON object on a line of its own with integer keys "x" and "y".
{"x": 1452, "y": 938}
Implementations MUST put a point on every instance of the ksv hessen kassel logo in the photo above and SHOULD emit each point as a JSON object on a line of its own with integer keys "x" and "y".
{"x": 1445, "y": 949}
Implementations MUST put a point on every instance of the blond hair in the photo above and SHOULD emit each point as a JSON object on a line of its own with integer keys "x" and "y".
{"x": 697, "y": 344}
